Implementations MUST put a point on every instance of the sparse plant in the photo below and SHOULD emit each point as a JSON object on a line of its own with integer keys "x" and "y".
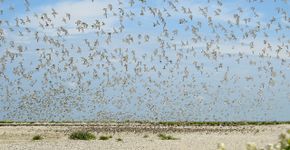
{"x": 221, "y": 146}
{"x": 119, "y": 140}
{"x": 166, "y": 137}
{"x": 105, "y": 137}
{"x": 82, "y": 135}
{"x": 251, "y": 146}
{"x": 283, "y": 144}
{"x": 37, "y": 137}
{"x": 145, "y": 136}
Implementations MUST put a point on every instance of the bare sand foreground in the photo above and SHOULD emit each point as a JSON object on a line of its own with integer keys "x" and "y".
{"x": 191, "y": 137}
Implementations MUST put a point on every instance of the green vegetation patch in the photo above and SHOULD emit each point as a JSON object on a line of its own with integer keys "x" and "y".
{"x": 82, "y": 135}
{"x": 37, "y": 137}
{"x": 105, "y": 137}
{"x": 6, "y": 121}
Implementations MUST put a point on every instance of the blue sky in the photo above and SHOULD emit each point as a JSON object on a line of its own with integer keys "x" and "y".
{"x": 183, "y": 75}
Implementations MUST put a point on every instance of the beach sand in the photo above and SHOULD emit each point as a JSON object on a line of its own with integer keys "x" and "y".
{"x": 56, "y": 137}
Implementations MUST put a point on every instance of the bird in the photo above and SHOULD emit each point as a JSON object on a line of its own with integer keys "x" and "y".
{"x": 137, "y": 55}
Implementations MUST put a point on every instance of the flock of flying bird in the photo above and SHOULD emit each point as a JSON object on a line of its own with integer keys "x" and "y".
{"x": 144, "y": 59}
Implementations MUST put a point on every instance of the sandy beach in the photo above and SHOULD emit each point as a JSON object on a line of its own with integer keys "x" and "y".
{"x": 56, "y": 137}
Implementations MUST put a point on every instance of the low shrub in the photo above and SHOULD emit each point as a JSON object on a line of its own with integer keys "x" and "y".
{"x": 105, "y": 137}
{"x": 82, "y": 135}
{"x": 37, "y": 137}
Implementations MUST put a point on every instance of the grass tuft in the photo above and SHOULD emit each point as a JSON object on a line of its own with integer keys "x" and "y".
{"x": 119, "y": 140}
{"x": 37, "y": 137}
{"x": 145, "y": 136}
{"x": 105, "y": 137}
{"x": 82, "y": 135}
{"x": 166, "y": 137}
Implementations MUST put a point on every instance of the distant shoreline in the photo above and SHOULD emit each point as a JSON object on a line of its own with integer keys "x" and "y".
{"x": 146, "y": 123}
